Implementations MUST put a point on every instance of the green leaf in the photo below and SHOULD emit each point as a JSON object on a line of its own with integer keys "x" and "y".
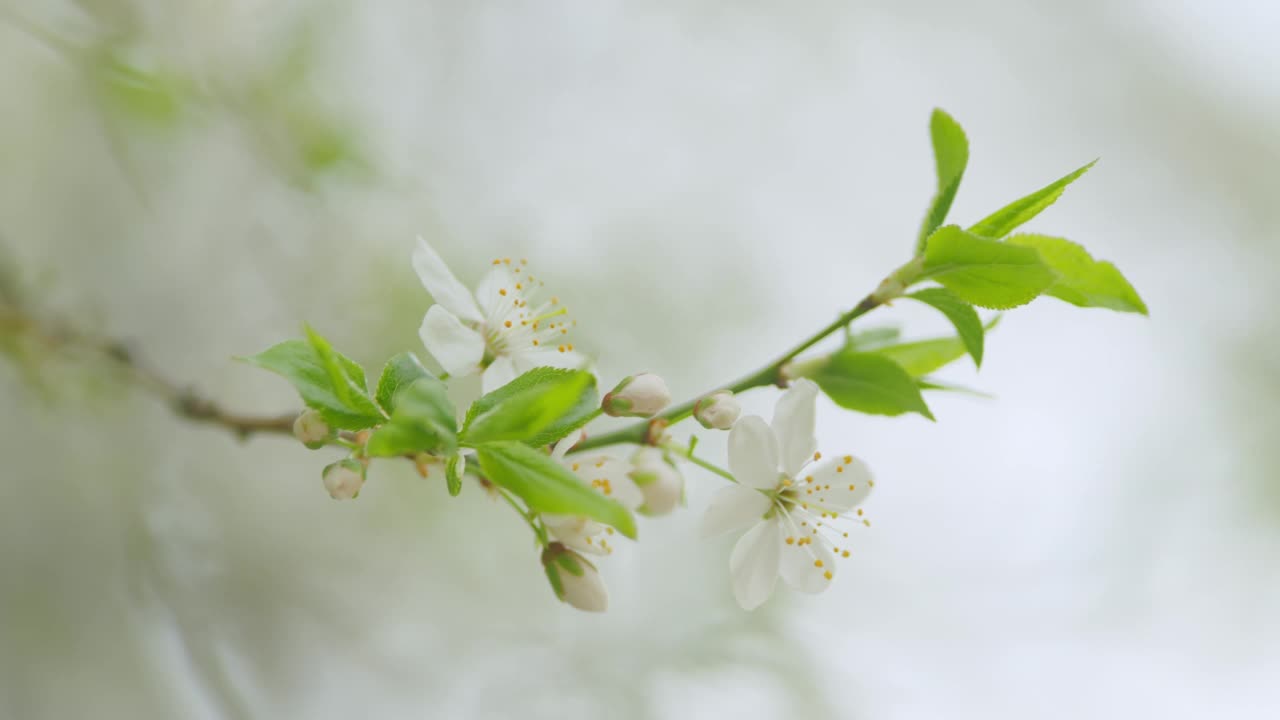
{"x": 931, "y": 384}
{"x": 924, "y": 356}
{"x": 961, "y": 314}
{"x": 951, "y": 155}
{"x": 400, "y": 372}
{"x": 538, "y": 408}
{"x": 345, "y": 374}
{"x": 547, "y": 486}
{"x": 453, "y": 471}
{"x": 1082, "y": 280}
{"x": 1006, "y": 219}
{"x": 921, "y": 357}
{"x": 870, "y": 383}
{"x": 301, "y": 364}
{"x": 424, "y": 421}
{"x": 985, "y": 272}
{"x": 872, "y": 338}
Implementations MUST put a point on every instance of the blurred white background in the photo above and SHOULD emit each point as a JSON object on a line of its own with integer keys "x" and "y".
{"x": 704, "y": 183}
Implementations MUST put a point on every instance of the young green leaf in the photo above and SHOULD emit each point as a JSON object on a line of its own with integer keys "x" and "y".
{"x": 538, "y": 408}
{"x": 424, "y": 421}
{"x": 1003, "y": 221}
{"x": 931, "y": 384}
{"x": 547, "y": 486}
{"x": 1082, "y": 280}
{"x": 346, "y": 375}
{"x": 872, "y": 338}
{"x": 985, "y": 272}
{"x": 961, "y": 314}
{"x": 920, "y": 357}
{"x": 951, "y": 155}
{"x": 299, "y": 363}
{"x": 400, "y": 372}
{"x": 871, "y": 383}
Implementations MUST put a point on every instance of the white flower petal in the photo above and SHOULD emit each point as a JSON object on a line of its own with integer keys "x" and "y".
{"x": 793, "y": 422}
{"x": 753, "y": 453}
{"x": 734, "y": 508}
{"x": 839, "y": 484}
{"x": 490, "y": 292}
{"x": 566, "y": 443}
{"x": 585, "y": 591}
{"x": 443, "y": 286}
{"x": 575, "y": 532}
{"x": 753, "y": 566}
{"x": 804, "y": 567}
{"x": 499, "y": 373}
{"x": 455, "y": 346}
{"x": 610, "y": 476}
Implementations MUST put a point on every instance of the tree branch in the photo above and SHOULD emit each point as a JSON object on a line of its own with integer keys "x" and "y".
{"x": 648, "y": 431}
{"x": 183, "y": 401}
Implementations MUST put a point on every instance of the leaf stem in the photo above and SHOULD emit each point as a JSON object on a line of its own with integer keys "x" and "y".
{"x": 771, "y": 374}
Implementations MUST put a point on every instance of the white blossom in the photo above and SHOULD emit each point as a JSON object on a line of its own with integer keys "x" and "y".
{"x": 503, "y": 330}
{"x": 795, "y": 505}
{"x": 607, "y": 475}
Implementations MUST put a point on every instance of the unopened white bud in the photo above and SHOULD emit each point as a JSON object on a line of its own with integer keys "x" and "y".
{"x": 574, "y": 579}
{"x": 717, "y": 411}
{"x": 659, "y": 481}
{"x": 344, "y": 479}
{"x": 311, "y": 429}
{"x": 642, "y": 395}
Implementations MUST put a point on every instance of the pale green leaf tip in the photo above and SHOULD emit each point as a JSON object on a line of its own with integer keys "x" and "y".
{"x": 628, "y": 529}
{"x": 940, "y": 114}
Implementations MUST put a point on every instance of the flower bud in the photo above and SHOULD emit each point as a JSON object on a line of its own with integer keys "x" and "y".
{"x": 717, "y": 411}
{"x": 659, "y": 481}
{"x": 642, "y": 395}
{"x": 311, "y": 429}
{"x": 344, "y": 479}
{"x": 574, "y": 579}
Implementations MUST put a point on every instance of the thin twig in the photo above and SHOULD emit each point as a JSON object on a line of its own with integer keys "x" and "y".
{"x": 771, "y": 374}
{"x": 182, "y": 400}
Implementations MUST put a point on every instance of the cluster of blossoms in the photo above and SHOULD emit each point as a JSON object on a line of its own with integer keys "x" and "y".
{"x": 793, "y": 504}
